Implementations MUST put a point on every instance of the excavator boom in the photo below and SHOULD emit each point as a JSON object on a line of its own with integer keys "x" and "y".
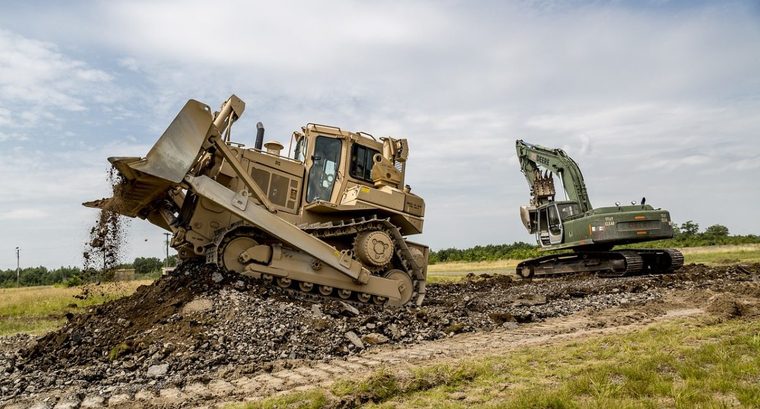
{"x": 554, "y": 161}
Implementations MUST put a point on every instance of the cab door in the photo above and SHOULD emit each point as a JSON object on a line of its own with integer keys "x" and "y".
{"x": 556, "y": 230}
{"x": 325, "y": 162}
{"x": 550, "y": 229}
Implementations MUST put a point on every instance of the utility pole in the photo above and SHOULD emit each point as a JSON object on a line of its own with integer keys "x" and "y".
{"x": 18, "y": 264}
{"x": 166, "y": 260}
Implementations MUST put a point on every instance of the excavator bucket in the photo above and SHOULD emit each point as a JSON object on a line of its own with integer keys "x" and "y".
{"x": 145, "y": 180}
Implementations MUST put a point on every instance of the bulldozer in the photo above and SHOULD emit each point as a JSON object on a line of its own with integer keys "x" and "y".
{"x": 328, "y": 219}
{"x": 591, "y": 233}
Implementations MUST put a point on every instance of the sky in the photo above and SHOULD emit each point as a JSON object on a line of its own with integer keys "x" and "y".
{"x": 651, "y": 98}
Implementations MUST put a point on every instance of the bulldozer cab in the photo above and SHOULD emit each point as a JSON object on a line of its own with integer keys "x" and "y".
{"x": 338, "y": 160}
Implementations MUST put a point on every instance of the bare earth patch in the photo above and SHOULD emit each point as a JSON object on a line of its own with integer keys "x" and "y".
{"x": 188, "y": 340}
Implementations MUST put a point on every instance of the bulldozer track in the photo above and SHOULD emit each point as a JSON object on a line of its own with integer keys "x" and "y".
{"x": 331, "y": 230}
{"x": 352, "y": 227}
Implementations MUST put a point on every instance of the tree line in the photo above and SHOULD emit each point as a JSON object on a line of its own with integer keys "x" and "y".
{"x": 143, "y": 267}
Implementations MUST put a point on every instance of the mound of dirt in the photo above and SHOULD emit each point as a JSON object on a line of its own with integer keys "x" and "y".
{"x": 200, "y": 323}
{"x": 730, "y": 306}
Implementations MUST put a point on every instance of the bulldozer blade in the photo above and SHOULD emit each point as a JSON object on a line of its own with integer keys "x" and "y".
{"x": 104, "y": 204}
{"x": 175, "y": 152}
{"x": 147, "y": 180}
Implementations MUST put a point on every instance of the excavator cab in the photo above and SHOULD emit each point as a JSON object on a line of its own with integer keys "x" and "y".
{"x": 549, "y": 222}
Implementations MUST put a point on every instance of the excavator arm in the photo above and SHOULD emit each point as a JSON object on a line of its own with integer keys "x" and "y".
{"x": 534, "y": 157}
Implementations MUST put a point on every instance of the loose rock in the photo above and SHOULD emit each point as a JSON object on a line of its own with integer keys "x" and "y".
{"x": 355, "y": 339}
{"x": 158, "y": 371}
{"x": 203, "y": 324}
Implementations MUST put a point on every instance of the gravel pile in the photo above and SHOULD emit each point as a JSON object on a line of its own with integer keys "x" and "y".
{"x": 199, "y": 323}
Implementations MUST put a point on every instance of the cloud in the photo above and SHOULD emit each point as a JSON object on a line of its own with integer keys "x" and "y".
{"x": 38, "y": 83}
{"x": 23, "y": 214}
{"x": 650, "y": 98}
{"x": 129, "y": 63}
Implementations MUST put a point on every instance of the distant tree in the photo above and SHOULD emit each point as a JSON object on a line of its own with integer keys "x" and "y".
{"x": 146, "y": 265}
{"x": 676, "y": 231}
{"x": 717, "y": 230}
{"x": 171, "y": 261}
{"x": 689, "y": 228}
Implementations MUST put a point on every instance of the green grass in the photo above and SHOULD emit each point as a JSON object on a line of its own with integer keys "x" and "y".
{"x": 681, "y": 364}
{"x": 36, "y": 310}
{"x": 749, "y": 253}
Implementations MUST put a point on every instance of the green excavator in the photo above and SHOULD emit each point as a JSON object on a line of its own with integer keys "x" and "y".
{"x": 573, "y": 224}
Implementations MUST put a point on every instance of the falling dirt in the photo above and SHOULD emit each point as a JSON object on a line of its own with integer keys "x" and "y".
{"x": 107, "y": 237}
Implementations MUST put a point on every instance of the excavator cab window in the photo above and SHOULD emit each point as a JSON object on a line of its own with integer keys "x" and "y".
{"x": 324, "y": 169}
{"x": 569, "y": 210}
{"x": 542, "y": 226}
{"x": 361, "y": 162}
{"x": 555, "y": 224}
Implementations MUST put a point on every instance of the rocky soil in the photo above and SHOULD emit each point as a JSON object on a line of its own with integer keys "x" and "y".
{"x": 200, "y": 324}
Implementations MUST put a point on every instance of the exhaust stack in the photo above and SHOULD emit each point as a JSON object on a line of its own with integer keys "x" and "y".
{"x": 259, "y": 136}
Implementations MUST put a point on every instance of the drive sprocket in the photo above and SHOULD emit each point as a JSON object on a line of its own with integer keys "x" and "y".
{"x": 374, "y": 249}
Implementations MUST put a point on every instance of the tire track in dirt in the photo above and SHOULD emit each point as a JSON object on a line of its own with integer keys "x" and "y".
{"x": 558, "y": 310}
{"x": 457, "y": 347}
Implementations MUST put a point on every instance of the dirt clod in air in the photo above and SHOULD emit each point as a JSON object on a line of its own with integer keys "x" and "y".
{"x": 107, "y": 236}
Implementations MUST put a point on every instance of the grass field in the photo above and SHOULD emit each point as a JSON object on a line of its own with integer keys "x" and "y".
{"x": 712, "y": 255}
{"x": 692, "y": 362}
{"x": 36, "y": 310}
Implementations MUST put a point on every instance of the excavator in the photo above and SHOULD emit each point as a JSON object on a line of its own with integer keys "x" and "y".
{"x": 590, "y": 233}
{"x": 330, "y": 219}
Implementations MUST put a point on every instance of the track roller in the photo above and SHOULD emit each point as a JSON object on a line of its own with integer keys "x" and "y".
{"x": 344, "y": 294}
{"x": 305, "y": 286}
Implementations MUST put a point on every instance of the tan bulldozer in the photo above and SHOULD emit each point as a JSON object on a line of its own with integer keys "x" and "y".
{"x": 329, "y": 220}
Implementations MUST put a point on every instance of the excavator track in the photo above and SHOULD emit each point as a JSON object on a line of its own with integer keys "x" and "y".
{"x": 345, "y": 229}
{"x": 620, "y": 263}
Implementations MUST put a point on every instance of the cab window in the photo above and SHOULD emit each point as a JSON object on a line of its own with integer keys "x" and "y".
{"x": 300, "y": 152}
{"x": 569, "y": 210}
{"x": 554, "y": 220}
{"x": 324, "y": 169}
{"x": 361, "y": 162}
